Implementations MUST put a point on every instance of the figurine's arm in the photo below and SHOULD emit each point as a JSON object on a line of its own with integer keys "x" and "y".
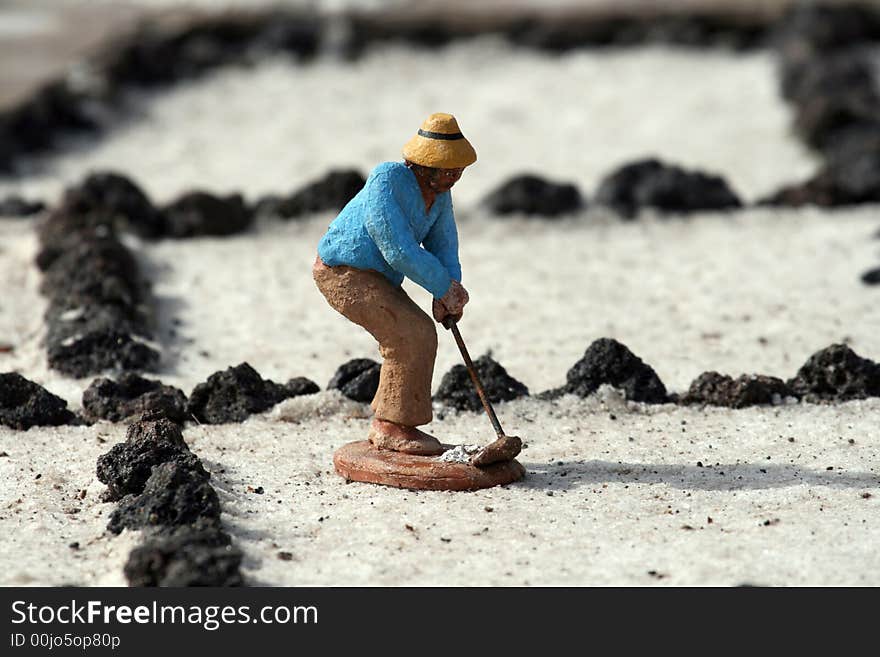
{"x": 442, "y": 240}
{"x": 391, "y": 232}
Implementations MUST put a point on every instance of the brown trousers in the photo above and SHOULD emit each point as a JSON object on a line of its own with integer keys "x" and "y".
{"x": 405, "y": 333}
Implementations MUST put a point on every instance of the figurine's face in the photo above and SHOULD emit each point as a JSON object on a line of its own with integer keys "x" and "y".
{"x": 442, "y": 180}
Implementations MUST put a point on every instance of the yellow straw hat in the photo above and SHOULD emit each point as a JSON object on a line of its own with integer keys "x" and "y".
{"x": 440, "y": 144}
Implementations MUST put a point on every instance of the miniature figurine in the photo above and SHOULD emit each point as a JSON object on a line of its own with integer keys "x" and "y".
{"x": 377, "y": 240}
{"x": 401, "y": 224}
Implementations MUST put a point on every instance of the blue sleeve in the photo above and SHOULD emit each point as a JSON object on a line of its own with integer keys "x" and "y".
{"x": 391, "y": 232}
{"x": 442, "y": 240}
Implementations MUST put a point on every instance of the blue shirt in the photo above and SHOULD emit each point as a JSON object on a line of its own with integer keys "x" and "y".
{"x": 385, "y": 227}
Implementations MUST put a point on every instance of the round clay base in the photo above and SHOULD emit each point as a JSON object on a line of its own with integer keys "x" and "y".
{"x": 360, "y": 461}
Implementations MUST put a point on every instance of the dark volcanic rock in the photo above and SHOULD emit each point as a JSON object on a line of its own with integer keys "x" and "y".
{"x": 99, "y": 351}
{"x": 457, "y": 390}
{"x": 131, "y": 395}
{"x": 533, "y": 195}
{"x": 838, "y": 73}
{"x": 267, "y": 206}
{"x": 828, "y": 71}
{"x": 175, "y": 494}
{"x": 292, "y": 33}
{"x": 300, "y": 385}
{"x": 157, "y": 54}
{"x": 200, "y": 213}
{"x": 65, "y": 229}
{"x": 746, "y": 390}
{"x": 331, "y": 192}
{"x": 34, "y": 123}
{"x": 94, "y": 271}
{"x": 357, "y": 379}
{"x": 854, "y": 142}
{"x": 120, "y": 200}
{"x": 668, "y": 188}
{"x": 65, "y": 323}
{"x": 607, "y": 361}
{"x": 871, "y": 277}
{"x": 820, "y": 119}
{"x": 98, "y": 316}
{"x": 685, "y": 29}
{"x": 845, "y": 180}
{"x": 25, "y": 404}
{"x": 149, "y": 442}
{"x": 16, "y": 206}
{"x": 197, "y": 555}
{"x": 232, "y": 395}
{"x": 76, "y": 226}
{"x": 836, "y": 98}
{"x": 837, "y": 373}
{"x": 817, "y": 27}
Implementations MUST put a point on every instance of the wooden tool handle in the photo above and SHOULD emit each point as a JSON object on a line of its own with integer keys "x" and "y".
{"x": 452, "y": 326}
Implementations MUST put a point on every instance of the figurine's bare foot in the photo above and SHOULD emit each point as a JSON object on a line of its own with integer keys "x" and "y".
{"x": 400, "y": 438}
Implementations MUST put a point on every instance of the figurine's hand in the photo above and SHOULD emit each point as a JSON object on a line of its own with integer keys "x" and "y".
{"x": 451, "y": 304}
{"x": 441, "y": 314}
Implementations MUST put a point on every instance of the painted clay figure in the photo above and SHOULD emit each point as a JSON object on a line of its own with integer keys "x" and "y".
{"x": 401, "y": 224}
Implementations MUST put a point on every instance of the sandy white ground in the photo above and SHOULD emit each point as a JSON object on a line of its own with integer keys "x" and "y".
{"x": 758, "y": 290}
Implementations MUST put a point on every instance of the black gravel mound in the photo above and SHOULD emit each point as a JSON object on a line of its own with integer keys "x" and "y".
{"x": 849, "y": 176}
{"x": 196, "y": 555}
{"x": 200, "y": 213}
{"x": 871, "y": 277}
{"x": 824, "y": 114}
{"x": 174, "y": 495}
{"x": 824, "y": 27}
{"x": 120, "y": 201}
{"x": 98, "y": 316}
{"x": 665, "y": 187}
{"x": 747, "y": 390}
{"x": 696, "y": 30}
{"x": 533, "y": 195}
{"x": 16, "y": 206}
{"x": 564, "y": 32}
{"x": 300, "y": 385}
{"x": 809, "y": 73}
{"x": 357, "y": 379}
{"x": 827, "y": 72}
{"x": 234, "y": 394}
{"x": 836, "y": 373}
{"x": 99, "y": 351}
{"x": 132, "y": 395}
{"x": 96, "y": 270}
{"x": 149, "y": 442}
{"x": 25, "y": 404}
{"x": 607, "y": 361}
{"x": 457, "y": 390}
{"x": 68, "y": 225}
{"x": 162, "y": 486}
{"x": 34, "y": 125}
{"x": 840, "y": 182}
{"x": 331, "y": 192}
{"x": 158, "y": 53}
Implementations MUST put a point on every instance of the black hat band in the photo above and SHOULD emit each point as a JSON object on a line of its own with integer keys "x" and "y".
{"x": 441, "y": 135}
